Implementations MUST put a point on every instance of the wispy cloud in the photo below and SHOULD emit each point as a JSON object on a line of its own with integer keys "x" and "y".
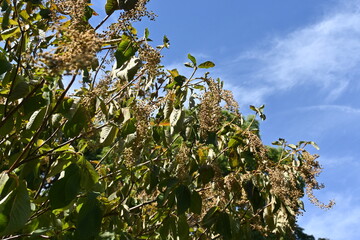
{"x": 336, "y": 108}
{"x": 323, "y": 55}
{"x": 339, "y": 223}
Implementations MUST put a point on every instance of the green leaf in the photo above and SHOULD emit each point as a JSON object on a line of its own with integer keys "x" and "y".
{"x": 4, "y": 5}
{"x": 222, "y": 225}
{"x": 175, "y": 117}
{"x": 196, "y": 203}
{"x": 207, "y": 64}
{"x": 192, "y": 59}
{"x": 146, "y": 33}
{"x": 189, "y": 65}
{"x": 45, "y": 13}
{"x": 6, "y": 18}
{"x": 125, "y": 51}
{"x": 7, "y": 127}
{"x": 234, "y": 158}
{"x": 210, "y": 217}
{"x": 128, "y": 5}
{"x": 259, "y": 111}
{"x": 65, "y": 190}
{"x": 174, "y": 73}
{"x": 128, "y": 127}
{"x": 108, "y": 135}
{"x": 4, "y": 177}
{"x": 233, "y": 142}
{"x": 129, "y": 69}
{"x": 111, "y": 6}
{"x": 292, "y": 146}
{"x": 3, "y": 221}
{"x": 166, "y": 42}
{"x": 5, "y": 65}
{"x": 207, "y": 173}
{"x": 183, "y": 228}
{"x": 20, "y": 90}
{"x": 179, "y": 80}
{"x": 20, "y": 210}
{"x": 77, "y": 123}
{"x": 66, "y": 108}
{"x": 89, "y": 177}
{"x": 167, "y": 226}
{"x": 86, "y": 76}
{"x": 88, "y": 13}
{"x": 36, "y": 119}
{"x": 8, "y": 33}
{"x": 254, "y": 195}
{"x": 183, "y": 199}
{"x": 89, "y": 219}
{"x": 5, "y": 206}
{"x": 314, "y": 145}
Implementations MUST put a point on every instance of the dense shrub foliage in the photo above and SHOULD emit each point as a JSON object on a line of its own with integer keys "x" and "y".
{"x": 136, "y": 151}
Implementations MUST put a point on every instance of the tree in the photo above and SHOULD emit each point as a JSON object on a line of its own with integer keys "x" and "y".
{"x": 137, "y": 152}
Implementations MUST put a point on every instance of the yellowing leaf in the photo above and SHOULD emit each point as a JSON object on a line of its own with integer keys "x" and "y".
{"x": 207, "y": 64}
{"x": 164, "y": 124}
{"x": 174, "y": 73}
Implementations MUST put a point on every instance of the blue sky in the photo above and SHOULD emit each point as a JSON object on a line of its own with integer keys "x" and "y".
{"x": 299, "y": 58}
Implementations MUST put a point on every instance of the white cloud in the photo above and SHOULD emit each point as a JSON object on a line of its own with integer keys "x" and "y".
{"x": 333, "y": 108}
{"x": 324, "y": 55}
{"x": 254, "y": 97}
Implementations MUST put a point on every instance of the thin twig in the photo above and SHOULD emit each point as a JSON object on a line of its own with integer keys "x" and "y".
{"x": 13, "y": 110}
{"x": 107, "y": 154}
{"x": 49, "y": 138}
{"x": 18, "y": 161}
{"x": 142, "y": 204}
{"x": 18, "y": 60}
{"x": 57, "y": 147}
{"x": 102, "y": 22}
{"x": 98, "y": 69}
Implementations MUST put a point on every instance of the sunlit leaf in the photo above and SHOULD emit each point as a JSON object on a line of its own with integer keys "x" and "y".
{"x": 207, "y": 64}
{"x": 108, "y": 135}
{"x": 20, "y": 210}
{"x": 111, "y": 6}
{"x": 125, "y": 51}
{"x": 192, "y": 59}
{"x": 36, "y": 119}
{"x": 8, "y": 33}
{"x": 3, "y": 180}
{"x": 314, "y": 145}
{"x": 146, "y": 33}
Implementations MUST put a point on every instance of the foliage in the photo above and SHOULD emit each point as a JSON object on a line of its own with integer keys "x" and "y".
{"x": 137, "y": 152}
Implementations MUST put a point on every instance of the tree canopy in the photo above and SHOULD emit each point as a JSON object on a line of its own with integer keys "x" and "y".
{"x": 135, "y": 151}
